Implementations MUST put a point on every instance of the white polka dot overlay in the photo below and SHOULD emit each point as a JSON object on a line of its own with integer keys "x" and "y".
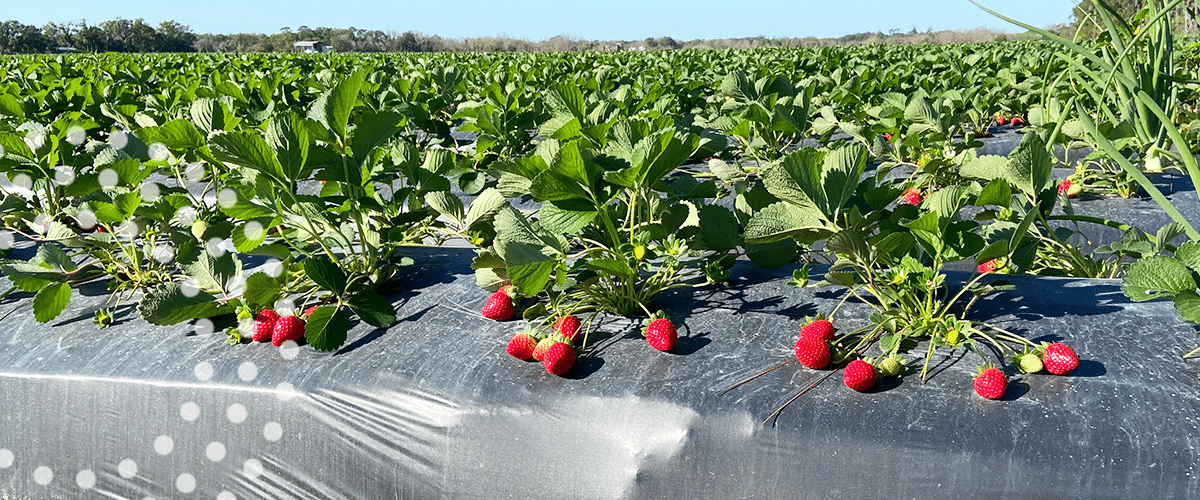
{"x": 225, "y": 495}
{"x": 247, "y": 371}
{"x": 215, "y": 451}
{"x": 203, "y": 371}
{"x": 163, "y": 445}
{"x": 285, "y": 391}
{"x": 6, "y": 458}
{"x": 272, "y": 431}
{"x": 252, "y": 468}
{"x": 185, "y": 483}
{"x": 236, "y": 413}
{"x": 190, "y": 411}
{"x": 127, "y": 468}
{"x": 86, "y": 479}
{"x": 289, "y": 349}
{"x": 43, "y": 475}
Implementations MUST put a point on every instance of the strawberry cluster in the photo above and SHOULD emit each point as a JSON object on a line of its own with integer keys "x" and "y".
{"x": 270, "y": 326}
{"x": 1056, "y": 358}
{"x": 817, "y": 348}
{"x": 556, "y": 349}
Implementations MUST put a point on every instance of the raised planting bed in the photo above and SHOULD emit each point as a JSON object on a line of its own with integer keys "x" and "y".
{"x": 433, "y": 408}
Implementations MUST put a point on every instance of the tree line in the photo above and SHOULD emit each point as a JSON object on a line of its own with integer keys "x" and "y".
{"x": 123, "y": 35}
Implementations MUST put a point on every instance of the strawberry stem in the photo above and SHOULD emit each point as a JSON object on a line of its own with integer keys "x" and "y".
{"x": 752, "y": 377}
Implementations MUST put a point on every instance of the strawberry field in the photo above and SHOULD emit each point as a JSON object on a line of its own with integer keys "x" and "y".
{"x": 701, "y": 238}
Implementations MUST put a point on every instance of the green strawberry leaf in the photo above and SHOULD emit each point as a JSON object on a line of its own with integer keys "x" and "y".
{"x": 1157, "y": 277}
{"x": 1187, "y": 304}
{"x": 326, "y": 274}
{"x": 169, "y": 304}
{"x": 325, "y": 328}
{"x": 51, "y": 301}
{"x": 261, "y": 289}
{"x": 373, "y": 308}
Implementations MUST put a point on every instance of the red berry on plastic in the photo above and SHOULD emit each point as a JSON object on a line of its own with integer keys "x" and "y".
{"x": 991, "y": 383}
{"x": 859, "y": 375}
{"x": 813, "y": 352}
{"x": 264, "y": 325}
{"x": 1059, "y": 358}
{"x": 499, "y": 307}
{"x": 661, "y": 334}
{"x": 521, "y": 346}
{"x": 287, "y": 328}
{"x": 559, "y": 358}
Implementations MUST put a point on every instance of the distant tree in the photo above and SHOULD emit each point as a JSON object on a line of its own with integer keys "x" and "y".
{"x": 18, "y": 38}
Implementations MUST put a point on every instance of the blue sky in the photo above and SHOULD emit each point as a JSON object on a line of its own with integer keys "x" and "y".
{"x": 542, "y": 19}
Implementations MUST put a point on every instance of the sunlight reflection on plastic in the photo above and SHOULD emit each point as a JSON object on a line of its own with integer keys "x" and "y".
{"x": 285, "y": 391}
{"x": 215, "y": 451}
{"x": 194, "y": 172}
{"x": 128, "y": 229}
{"x": 6, "y": 239}
{"x": 186, "y": 216}
{"x": 86, "y": 219}
{"x": 273, "y": 431}
{"x": 215, "y": 248}
{"x": 204, "y": 327}
{"x": 86, "y": 479}
{"x": 164, "y": 253}
{"x": 149, "y": 191}
{"x": 127, "y": 468}
{"x": 118, "y": 139}
{"x": 236, "y": 413}
{"x": 64, "y": 175}
{"x": 289, "y": 349}
{"x": 158, "y": 151}
{"x": 189, "y": 287}
{"x": 35, "y": 139}
{"x": 43, "y": 475}
{"x": 164, "y": 445}
{"x": 227, "y": 198}
{"x": 23, "y": 181}
{"x": 253, "y": 231}
{"x": 190, "y": 411}
{"x": 108, "y": 178}
{"x": 273, "y": 268}
{"x": 185, "y": 483}
{"x": 251, "y": 468}
{"x": 76, "y": 135}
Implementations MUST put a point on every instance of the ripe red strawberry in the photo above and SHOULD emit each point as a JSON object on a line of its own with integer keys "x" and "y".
{"x": 559, "y": 358}
{"x": 499, "y": 307}
{"x": 990, "y": 383}
{"x": 887, "y": 137}
{"x": 912, "y": 196}
{"x": 308, "y": 312}
{"x": 1001, "y": 120}
{"x": 661, "y": 334}
{"x": 539, "y": 351}
{"x": 568, "y": 326}
{"x": 264, "y": 324}
{"x": 1017, "y": 121}
{"x": 989, "y": 266}
{"x": 813, "y": 351}
{"x": 859, "y": 375}
{"x": 287, "y": 328}
{"x": 821, "y": 328}
{"x": 521, "y": 346}
{"x": 1064, "y": 187}
{"x": 506, "y": 290}
{"x": 1059, "y": 358}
